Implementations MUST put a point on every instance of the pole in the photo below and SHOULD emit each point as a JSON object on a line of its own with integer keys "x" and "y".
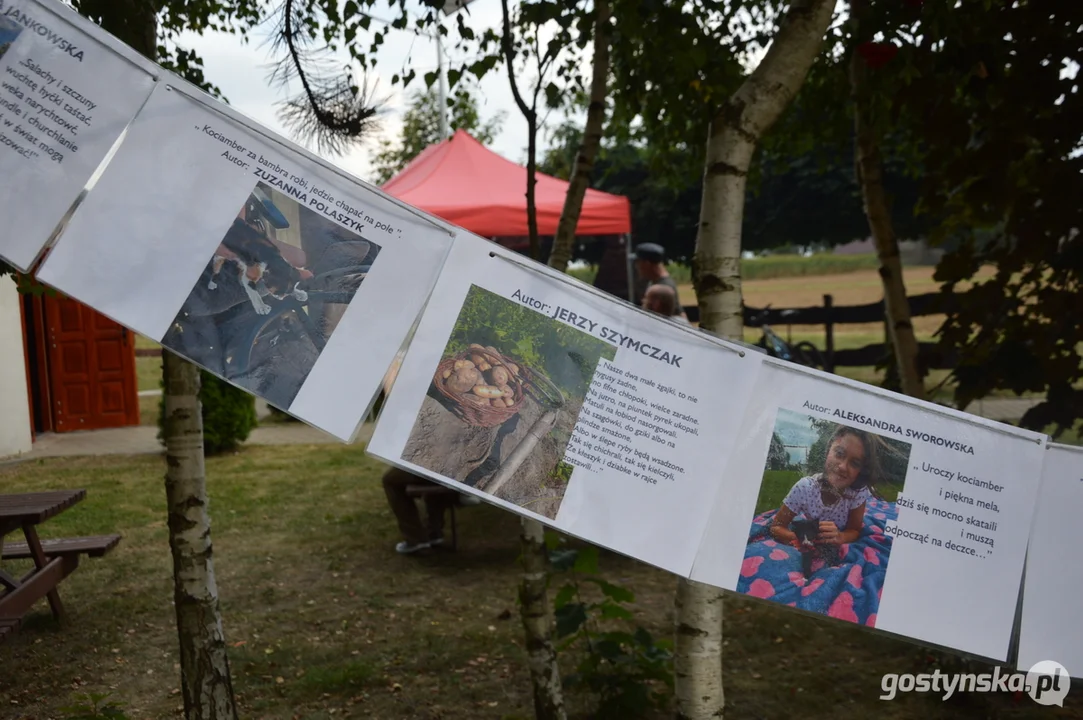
{"x": 442, "y": 100}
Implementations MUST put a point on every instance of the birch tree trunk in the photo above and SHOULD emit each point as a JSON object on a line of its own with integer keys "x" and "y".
{"x": 868, "y": 169}
{"x": 716, "y": 274}
{"x": 538, "y": 623}
{"x": 697, "y": 662}
{"x": 583, "y": 168}
{"x": 734, "y": 133}
{"x": 205, "y": 676}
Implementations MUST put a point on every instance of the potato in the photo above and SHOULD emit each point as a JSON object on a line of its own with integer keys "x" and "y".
{"x": 474, "y": 399}
{"x": 487, "y": 391}
{"x": 477, "y": 359}
{"x": 460, "y": 364}
{"x": 506, "y": 391}
{"x": 475, "y": 346}
{"x": 493, "y": 350}
{"x": 457, "y": 385}
{"x": 497, "y": 403}
{"x": 509, "y": 401}
{"x": 464, "y": 380}
{"x": 513, "y": 368}
{"x": 484, "y": 366}
{"x": 497, "y": 376}
{"x": 447, "y": 374}
{"x": 469, "y": 375}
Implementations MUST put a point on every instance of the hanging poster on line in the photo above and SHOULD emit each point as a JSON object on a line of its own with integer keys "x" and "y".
{"x": 1050, "y": 628}
{"x": 68, "y": 91}
{"x": 877, "y": 509}
{"x": 251, "y": 258}
{"x": 560, "y": 403}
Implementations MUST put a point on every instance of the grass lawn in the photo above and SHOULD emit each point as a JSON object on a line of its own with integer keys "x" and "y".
{"x": 323, "y": 620}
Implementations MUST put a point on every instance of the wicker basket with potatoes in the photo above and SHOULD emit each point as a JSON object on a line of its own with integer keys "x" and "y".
{"x": 483, "y": 387}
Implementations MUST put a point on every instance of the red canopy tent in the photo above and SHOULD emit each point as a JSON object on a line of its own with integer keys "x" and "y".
{"x": 465, "y": 183}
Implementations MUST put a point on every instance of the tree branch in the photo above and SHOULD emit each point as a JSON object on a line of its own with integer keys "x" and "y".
{"x": 331, "y": 111}
{"x": 505, "y": 44}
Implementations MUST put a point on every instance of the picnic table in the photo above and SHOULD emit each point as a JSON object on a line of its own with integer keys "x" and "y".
{"x": 54, "y": 559}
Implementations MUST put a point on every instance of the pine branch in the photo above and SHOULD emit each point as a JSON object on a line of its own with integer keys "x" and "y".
{"x": 332, "y": 112}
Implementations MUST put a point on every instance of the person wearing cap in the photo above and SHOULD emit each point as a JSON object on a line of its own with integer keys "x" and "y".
{"x": 651, "y": 267}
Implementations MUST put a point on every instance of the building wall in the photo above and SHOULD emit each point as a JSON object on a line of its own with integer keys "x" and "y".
{"x": 15, "y": 435}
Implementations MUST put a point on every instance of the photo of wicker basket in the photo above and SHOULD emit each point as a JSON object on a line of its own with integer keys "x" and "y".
{"x": 469, "y": 407}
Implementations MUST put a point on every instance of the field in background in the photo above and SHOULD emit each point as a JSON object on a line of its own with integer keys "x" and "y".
{"x": 774, "y": 266}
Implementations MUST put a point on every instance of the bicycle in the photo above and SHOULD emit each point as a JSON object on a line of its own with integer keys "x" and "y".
{"x": 802, "y": 353}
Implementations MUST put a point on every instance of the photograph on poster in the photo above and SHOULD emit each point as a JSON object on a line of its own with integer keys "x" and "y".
{"x": 271, "y": 295}
{"x": 817, "y": 540}
{"x": 9, "y": 32}
{"x": 503, "y": 401}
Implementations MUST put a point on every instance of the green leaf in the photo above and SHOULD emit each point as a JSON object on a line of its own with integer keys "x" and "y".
{"x": 430, "y": 78}
{"x": 616, "y": 592}
{"x": 587, "y": 562}
{"x": 610, "y": 611}
{"x": 453, "y": 75}
{"x": 563, "y": 559}
{"x": 569, "y": 619}
{"x": 564, "y": 596}
{"x": 609, "y": 649}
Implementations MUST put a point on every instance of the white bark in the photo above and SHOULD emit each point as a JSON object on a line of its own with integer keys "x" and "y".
{"x": 205, "y": 676}
{"x": 697, "y": 668}
{"x": 564, "y": 240}
{"x": 734, "y": 134}
{"x": 538, "y": 623}
{"x": 735, "y": 131}
{"x": 868, "y": 167}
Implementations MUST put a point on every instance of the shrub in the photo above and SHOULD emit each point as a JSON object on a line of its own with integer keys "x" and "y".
{"x": 229, "y": 414}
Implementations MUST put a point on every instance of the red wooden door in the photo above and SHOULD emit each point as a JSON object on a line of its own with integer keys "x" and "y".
{"x": 91, "y": 368}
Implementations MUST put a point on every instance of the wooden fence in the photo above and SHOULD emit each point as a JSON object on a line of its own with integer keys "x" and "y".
{"x": 930, "y": 356}
{"x": 829, "y": 315}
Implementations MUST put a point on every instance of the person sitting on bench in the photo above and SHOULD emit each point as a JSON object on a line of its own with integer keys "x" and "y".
{"x": 396, "y": 481}
{"x": 416, "y": 535}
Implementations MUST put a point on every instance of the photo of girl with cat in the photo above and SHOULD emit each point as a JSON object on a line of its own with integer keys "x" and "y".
{"x": 817, "y": 541}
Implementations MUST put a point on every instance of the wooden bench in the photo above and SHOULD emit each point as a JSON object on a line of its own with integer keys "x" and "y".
{"x": 8, "y": 626}
{"x": 91, "y": 546}
{"x": 421, "y": 491}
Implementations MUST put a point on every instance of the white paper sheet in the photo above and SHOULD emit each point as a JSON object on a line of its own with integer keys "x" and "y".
{"x": 968, "y": 488}
{"x": 196, "y": 194}
{"x": 1050, "y": 628}
{"x": 69, "y": 89}
{"x": 645, "y": 418}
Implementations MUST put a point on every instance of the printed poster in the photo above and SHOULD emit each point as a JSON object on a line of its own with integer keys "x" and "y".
{"x": 1050, "y": 627}
{"x": 67, "y": 92}
{"x": 876, "y": 509}
{"x": 548, "y": 398}
{"x": 250, "y": 258}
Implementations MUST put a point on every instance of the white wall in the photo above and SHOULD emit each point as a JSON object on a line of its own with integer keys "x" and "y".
{"x": 14, "y": 398}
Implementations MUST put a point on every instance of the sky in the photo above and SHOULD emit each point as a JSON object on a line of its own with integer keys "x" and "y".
{"x": 241, "y": 71}
{"x": 795, "y": 430}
